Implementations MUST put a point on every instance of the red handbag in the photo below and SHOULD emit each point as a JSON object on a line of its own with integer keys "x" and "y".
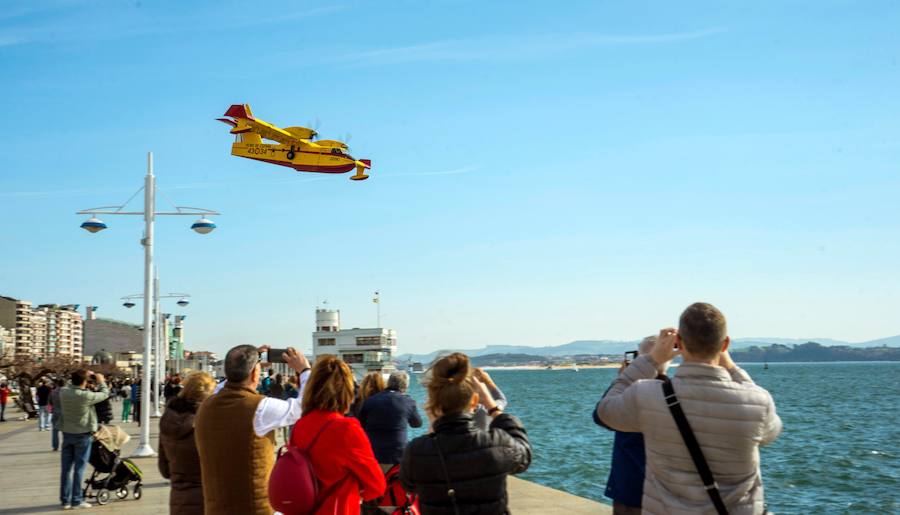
{"x": 293, "y": 485}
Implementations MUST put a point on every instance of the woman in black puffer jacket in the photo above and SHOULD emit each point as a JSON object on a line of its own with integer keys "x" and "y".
{"x": 458, "y": 468}
{"x": 178, "y": 457}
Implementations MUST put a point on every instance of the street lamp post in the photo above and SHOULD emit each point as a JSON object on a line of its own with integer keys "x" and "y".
{"x": 94, "y": 225}
{"x": 159, "y": 336}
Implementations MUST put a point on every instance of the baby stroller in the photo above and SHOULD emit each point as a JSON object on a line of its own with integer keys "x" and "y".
{"x": 111, "y": 473}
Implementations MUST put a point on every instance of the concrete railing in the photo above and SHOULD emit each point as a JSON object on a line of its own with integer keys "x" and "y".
{"x": 527, "y": 498}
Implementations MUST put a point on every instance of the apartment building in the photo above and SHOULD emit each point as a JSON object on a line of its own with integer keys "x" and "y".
{"x": 42, "y": 332}
{"x": 7, "y": 339}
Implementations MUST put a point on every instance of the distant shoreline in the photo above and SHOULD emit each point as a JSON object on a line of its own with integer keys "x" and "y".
{"x": 564, "y": 368}
{"x": 544, "y": 367}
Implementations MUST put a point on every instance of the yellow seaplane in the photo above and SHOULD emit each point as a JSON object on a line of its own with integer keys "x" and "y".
{"x": 294, "y": 146}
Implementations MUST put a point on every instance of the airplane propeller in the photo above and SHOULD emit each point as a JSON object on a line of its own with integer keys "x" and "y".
{"x": 315, "y": 128}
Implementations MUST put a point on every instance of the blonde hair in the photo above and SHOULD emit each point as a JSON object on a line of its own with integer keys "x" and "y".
{"x": 329, "y": 387}
{"x": 197, "y": 387}
{"x": 372, "y": 383}
{"x": 449, "y": 384}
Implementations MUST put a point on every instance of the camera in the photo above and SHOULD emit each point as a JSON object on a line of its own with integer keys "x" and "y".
{"x": 633, "y": 354}
{"x": 275, "y": 355}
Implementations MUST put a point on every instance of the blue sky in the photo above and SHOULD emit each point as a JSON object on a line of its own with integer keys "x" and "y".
{"x": 540, "y": 174}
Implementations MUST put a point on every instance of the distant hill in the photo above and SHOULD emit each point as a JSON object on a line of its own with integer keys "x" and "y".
{"x": 749, "y": 342}
{"x": 892, "y": 341}
{"x": 495, "y": 360}
{"x": 812, "y": 351}
{"x": 618, "y": 347}
{"x": 594, "y": 347}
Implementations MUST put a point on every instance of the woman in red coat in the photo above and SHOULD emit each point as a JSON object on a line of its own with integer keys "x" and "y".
{"x": 342, "y": 456}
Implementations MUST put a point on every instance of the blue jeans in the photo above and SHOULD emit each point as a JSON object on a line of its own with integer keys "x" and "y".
{"x": 76, "y": 450}
{"x": 43, "y": 417}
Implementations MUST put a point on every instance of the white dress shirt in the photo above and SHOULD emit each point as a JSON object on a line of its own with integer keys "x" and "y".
{"x": 272, "y": 413}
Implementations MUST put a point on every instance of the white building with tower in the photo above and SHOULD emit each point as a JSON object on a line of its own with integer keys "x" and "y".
{"x": 365, "y": 350}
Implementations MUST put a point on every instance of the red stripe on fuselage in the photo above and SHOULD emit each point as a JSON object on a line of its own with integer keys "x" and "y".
{"x": 308, "y": 168}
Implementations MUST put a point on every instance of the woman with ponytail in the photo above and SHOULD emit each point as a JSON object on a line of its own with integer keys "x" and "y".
{"x": 460, "y": 469}
{"x": 337, "y": 446}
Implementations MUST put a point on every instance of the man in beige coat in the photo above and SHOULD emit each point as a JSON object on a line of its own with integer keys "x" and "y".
{"x": 730, "y": 416}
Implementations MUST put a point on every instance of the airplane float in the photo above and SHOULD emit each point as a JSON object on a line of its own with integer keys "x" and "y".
{"x": 294, "y": 146}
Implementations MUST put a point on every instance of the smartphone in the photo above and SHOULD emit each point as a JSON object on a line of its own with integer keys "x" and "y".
{"x": 275, "y": 355}
{"x": 632, "y": 353}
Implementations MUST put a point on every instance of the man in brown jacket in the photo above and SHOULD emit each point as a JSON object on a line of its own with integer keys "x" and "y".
{"x": 234, "y": 431}
{"x": 729, "y": 415}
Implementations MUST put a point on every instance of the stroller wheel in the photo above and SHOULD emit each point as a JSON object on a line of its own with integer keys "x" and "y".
{"x": 122, "y": 492}
{"x": 136, "y": 493}
{"x": 102, "y": 496}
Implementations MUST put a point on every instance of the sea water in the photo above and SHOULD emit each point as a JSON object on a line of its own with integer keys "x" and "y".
{"x": 839, "y": 451}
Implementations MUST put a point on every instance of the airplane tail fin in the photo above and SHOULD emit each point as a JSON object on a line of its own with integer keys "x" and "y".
{"x": 241, "y": 129}
{"x": 240, "y": 111}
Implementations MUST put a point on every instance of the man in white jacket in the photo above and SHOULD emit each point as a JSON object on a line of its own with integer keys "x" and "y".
{"x": 729, "y": 415}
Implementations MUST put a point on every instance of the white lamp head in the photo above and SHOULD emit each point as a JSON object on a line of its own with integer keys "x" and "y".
{"x": 203, "y": 226}
{"x": 93, "y": 225}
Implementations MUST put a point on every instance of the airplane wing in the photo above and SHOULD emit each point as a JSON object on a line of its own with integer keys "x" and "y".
{"x": 245, "y": 122}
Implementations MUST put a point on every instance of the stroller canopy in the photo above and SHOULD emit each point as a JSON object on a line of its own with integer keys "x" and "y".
{"x": 112, "y": 437}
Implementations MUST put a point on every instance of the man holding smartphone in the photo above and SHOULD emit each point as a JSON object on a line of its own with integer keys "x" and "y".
{"x": 234, "y": 431}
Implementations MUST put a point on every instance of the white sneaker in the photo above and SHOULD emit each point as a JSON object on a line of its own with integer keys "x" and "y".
{"x": 82, "y": 506}
{"x": 67, "y": 506}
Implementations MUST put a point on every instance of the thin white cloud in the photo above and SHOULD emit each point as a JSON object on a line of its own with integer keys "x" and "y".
{"x": 455, "y": 171}
{"x": 68, "y": 25}
{"x": 76, "y": 192}
{"x": 304, "y": 178}
{"x": 513, "y": 47}
{"x": 243, "y": 183}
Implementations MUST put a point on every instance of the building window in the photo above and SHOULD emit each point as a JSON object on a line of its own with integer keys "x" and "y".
{"x": 368, "y": 340}
{"x": 352, "y": 358}
{"x": 326, "y": 341}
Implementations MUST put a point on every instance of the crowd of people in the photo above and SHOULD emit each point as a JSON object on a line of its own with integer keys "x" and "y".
{"x": 686, "y": 444}
{"x": 352, "y": 435}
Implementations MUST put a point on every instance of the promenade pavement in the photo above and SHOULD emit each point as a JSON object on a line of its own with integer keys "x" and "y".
{"x": 29, "y": 478}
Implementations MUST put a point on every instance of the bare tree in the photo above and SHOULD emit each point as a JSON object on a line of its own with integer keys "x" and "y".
{"x": 27, "y": 371}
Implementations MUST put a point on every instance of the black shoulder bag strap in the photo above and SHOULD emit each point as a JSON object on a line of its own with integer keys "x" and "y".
{"x": 693, "y": 446}
{"x": 451, "y": 492}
